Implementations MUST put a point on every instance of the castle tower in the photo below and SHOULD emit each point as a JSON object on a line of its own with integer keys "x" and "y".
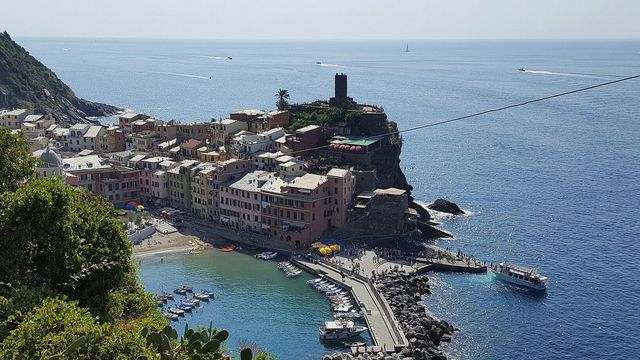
{"x": 340, "y": 91}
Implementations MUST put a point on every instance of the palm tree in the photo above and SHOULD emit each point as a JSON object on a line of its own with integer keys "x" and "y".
{"x": 283, "y": 96}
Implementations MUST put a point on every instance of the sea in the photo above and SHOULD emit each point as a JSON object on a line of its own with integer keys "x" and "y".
{"x": 554, "y": 184}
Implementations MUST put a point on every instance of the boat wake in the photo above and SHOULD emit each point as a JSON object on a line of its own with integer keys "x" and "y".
{"x": 184, "y": 75}
{"x": 326, "y": 65}
{"x": 219, "y": 57}
{"x": 580, "y": 75}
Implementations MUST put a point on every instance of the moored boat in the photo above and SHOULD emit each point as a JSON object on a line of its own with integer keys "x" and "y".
{"x": 176, "y": 311}
{"x": 201, "y": 296}
{"x": 338, "y": 329}
{"x": 180, "y": 291}
{"x": 184, "y": 307}
{"x": 207, "y": 292}
{"x": 355, "y": 344}
{"x": 171, "y": 316}
{"x": 521, "y": 276}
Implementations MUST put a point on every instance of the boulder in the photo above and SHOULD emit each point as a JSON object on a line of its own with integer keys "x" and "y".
{"x": 446, "y": 206}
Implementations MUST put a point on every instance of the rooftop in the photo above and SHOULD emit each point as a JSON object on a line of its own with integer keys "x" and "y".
{"x": 129, "y": 115}
{"x": 85, "y": 162}
{"x": 308, "y": 181}
{"x": 137, "y": 158}
{"x": 79, "y": 127}
{"x": 359, "y": 142}
{"x": 250, "y": 112}
{"x": 336, "y": 172}
{"x": 307, "y": 129}
{"x": 191, "y": 144}
{"x": 15, "y": 112}
{"x": 253, "y": 181}
{"x": 31, "y": 118}
{"x": 390, "y": 191}
{"x": 93, "y": 131}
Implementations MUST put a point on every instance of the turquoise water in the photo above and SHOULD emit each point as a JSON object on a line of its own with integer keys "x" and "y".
{"x": 553, "y": 184}
{"x": 254, "y": 300}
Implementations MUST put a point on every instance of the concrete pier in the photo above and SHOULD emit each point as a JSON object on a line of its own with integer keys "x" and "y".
{"x": 383, "y": 326}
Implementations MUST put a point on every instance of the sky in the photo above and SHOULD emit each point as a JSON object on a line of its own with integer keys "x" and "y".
{"x": 323, "y": 19}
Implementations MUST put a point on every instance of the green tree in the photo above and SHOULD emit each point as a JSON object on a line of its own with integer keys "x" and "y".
{"x": 283, "y": 97}
{"x": 16, "y": 163}
{"x": 65, "y": 239}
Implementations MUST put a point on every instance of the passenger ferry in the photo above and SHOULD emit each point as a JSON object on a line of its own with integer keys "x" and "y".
{"x": 340, "y": 329}
{"x": 521, "y": 276}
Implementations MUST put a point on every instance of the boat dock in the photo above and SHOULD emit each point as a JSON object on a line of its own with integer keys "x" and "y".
{"x": 383, "y": 326}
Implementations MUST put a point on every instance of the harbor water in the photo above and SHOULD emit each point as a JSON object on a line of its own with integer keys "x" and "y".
{"x": 553, "y": 184}
{"x": 254, "y": 301}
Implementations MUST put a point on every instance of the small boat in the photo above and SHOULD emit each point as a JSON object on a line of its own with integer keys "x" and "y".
{"x": 201, "y": 296}
{"x": 171, "y": 316}
{"x": 522, "y": 69}
{"x": 167, "y": 295}
{"x": 190, "y": 303}
{"x": 318, "y": 63}
{"x": 186, "y": 288}
{"x": 267, "y": 255}
{"x": 176, "y": 311}
{"x": 294, "y": 273}
{"x": 180, "y": 291}
{"x": 337, "y": 329}
{"x": 341, "y": 308}
{"x": 348, "y": 315}
{"x": 355, "y": 344}
{"x": 227, "y": 248}
{"x": 207, "y": 292}
{"x": 521, "y": 276}
{"x": 313, "y": 281}
{"x": 184, "y": 307}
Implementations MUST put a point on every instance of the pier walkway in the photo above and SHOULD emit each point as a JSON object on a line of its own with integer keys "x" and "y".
{"x": 383, "y": 326}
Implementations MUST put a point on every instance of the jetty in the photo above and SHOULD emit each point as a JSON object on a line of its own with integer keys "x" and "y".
{"x": 383, "y": 326}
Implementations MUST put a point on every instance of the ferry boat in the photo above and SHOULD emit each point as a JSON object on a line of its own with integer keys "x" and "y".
{"x": 338, "y": 329}
{"x": 520, "y": 276}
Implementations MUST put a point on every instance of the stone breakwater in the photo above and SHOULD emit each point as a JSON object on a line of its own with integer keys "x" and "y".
{"x": 404, "y": 292}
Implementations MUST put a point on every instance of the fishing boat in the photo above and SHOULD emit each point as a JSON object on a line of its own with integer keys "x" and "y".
{"x": 190, "y": 302}
{"x": 337, "y": 329}
{"x": 180, "y": 291}
{"x": 186, "y": 288}
{"x": 348, "y": 315}
{"x": 521, "y": 276}
{"x": 171, "y": 316}
{"x": 341, "y": 308}
{"x": 167, "y": 295}
{"x": 355, "y": 344}
{"x": 207, "y": 292}
{"x": 176, "y": 311}
{"x": 201, "y": 296}
{"x": 227, "y": 248}
{"x": 267, "y": 255}
{"x": 184, "y": 307}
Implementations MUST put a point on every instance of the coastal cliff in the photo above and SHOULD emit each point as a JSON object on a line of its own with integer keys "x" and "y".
{"x": 27, "y": 83}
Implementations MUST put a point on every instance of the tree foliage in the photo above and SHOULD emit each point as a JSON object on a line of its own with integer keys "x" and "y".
{"x": 64, "y": 239}
{"x": 16, "y": 163}
{"x": 283, "y": 97}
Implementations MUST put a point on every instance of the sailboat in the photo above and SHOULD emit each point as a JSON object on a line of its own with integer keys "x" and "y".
{"x": 407, "y": 49}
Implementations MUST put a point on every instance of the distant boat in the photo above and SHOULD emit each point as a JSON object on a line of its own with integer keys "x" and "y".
{"x": 318, "y": 63}
{"x": 522, "y": 69}
{"x": 407, "y": 48}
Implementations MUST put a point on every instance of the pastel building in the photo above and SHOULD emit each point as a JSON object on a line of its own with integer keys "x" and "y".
{"x": 241, "y": 200}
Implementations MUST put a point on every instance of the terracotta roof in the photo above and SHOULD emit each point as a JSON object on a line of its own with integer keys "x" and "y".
{"x": 191, "y": 144}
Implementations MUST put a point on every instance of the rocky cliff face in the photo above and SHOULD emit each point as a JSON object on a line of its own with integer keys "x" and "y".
{"x": 388, "y": 171}
{"x": 26, "y": 83}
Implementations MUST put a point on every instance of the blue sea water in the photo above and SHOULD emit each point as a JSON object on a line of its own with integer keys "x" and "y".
{"x": 553, "y": 184}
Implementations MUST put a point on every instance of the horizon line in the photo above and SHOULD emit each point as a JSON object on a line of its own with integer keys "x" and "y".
{"x": 322, "y": 39}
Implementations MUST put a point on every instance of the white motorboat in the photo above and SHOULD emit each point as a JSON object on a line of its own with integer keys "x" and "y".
{"x": 339, "y": 329}
{"x": 269, "y": 255}
{"x": 348, "y": 315}
{"x": 341, "y": 308}
{"x": 521, "y": 276}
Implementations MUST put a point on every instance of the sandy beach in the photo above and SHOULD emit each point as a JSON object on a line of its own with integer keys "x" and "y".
{"x": 160, "y": 244}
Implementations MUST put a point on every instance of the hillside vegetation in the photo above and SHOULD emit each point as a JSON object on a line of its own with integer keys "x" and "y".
{"x": 27, "y": 83}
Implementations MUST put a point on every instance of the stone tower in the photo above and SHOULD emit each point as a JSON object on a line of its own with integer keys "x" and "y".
{"x": 341, "y": 91}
